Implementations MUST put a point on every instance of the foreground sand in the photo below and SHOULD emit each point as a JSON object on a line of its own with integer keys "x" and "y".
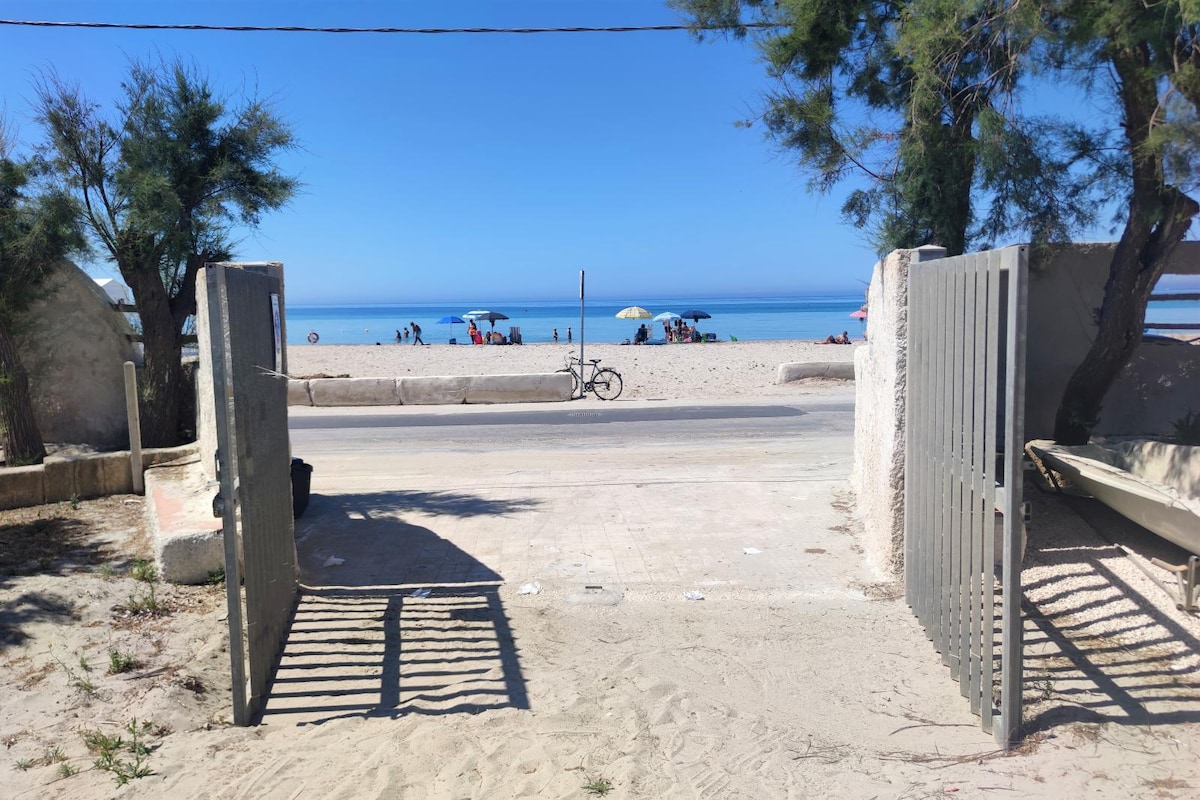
{"x": 670, "y": 372}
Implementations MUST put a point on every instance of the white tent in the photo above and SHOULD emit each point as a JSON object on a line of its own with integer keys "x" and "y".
{"x": 116, "y": 291}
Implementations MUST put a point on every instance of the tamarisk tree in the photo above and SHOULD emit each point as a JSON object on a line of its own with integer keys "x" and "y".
{"x": 162, "y": 181}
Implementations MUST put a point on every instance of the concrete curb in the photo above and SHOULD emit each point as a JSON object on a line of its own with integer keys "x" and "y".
{"x": 800, "y": 370}
{"x": 550, "y": 387}
{"x": 58, "y": 478}
{"x": 188, "y": 540}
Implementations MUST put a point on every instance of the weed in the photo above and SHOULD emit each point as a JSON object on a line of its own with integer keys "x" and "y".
{"x": 53, "y": 755}
{"x": 598, "y": 786}
{"x": 74, "y": 501}
{"x": 23, "y": 764}
{"x": 143, "y": 571}
{"x": 119, "y": 662}
{"x": 144, "y": 603}
{"x": 74, "y": 679}
{"x": 108, "y": 750}
{"x": 65, "y": 770}
{"x": 1187, "y": 428}
{"x": 217, "y": 577}
{"x": 45, "y": 563}
{"x": 83, "y": 663}
{"x": 107, "y": 572}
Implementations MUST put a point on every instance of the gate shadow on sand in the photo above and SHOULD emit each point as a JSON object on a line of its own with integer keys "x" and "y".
{"x": 392, "y": 618}
{"x": 1097, "y": 650}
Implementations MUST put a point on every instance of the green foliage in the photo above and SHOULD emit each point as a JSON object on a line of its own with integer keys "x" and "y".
{"x": 144, "y": 571}
{"x": 144, "y": 603}
{"x": 78, "y": 682}
{"x": 164, "y": 178}
{"x": 217, "y": 577}
{"x": 119, "y": 662}
{"x": 598, "y": 787}
{"x": 65, "y": 770}
{"x": 108, "y": 750}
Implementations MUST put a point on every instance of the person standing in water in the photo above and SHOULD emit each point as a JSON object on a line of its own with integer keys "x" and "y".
{"x": 568, "y": 334}
{"x": 416, "y": 329}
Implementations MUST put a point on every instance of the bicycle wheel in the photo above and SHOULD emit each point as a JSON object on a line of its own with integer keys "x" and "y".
{"x": 607, "y": 384}
{"x": 574, "y": 382}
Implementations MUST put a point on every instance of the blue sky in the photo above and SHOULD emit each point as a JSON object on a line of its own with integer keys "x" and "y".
{"x": 486, "y": 167}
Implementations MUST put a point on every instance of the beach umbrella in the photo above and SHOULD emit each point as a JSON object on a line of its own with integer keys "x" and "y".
{"x": 491, "y": 316}
{"x": 695, "y": 316}
{"x": 666, "y": 315}
{"x": 476, "y": 313}
{"x": 634, "y": 312}
{"x": 451, "y": 321}
{"x": 860, "y": 314}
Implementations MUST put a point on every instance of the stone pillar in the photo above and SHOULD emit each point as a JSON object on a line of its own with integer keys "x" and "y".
{"x": 877, "y": 477}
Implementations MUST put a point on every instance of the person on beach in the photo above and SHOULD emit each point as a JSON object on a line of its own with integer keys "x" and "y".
{"x": 406, "y": 334}
{"x": 568, "y": 334}
{"x": 666, "y": 330}
{"x": 399, "y": 337}
{"x": 556, "y": 335}
{"x": 416, "y": 329}
{"x": 643, "y": 333}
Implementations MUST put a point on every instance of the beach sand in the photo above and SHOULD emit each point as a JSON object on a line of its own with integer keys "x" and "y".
{"x": 799, "y": 674}
{"x": 712, "y": 371}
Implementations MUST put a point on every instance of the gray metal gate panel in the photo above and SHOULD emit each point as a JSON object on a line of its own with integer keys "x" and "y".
{"x": 964, "y": 425}
{"x": 255, "y": 468}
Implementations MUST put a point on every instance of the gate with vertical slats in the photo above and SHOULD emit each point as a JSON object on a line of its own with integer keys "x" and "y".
{"x": 245, "y": 318}
{"x": 963, "y": 455}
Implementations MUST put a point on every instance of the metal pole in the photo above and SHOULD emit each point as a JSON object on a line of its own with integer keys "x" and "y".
{"x": 135, "y": 428}
{"x": 582, "y": 373}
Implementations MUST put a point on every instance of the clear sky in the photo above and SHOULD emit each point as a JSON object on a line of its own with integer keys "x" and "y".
{"x": 488, "y": 167}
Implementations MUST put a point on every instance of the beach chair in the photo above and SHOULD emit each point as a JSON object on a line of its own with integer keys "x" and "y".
{"x": 514, "y": 335}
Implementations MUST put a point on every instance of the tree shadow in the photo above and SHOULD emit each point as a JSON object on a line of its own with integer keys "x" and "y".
{"x": 1097, "y": 650}
{"x": 393, "y": 619}
{"x": 45, "y": 546}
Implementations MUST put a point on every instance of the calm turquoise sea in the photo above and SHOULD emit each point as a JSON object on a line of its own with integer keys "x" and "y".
{"x": 748, "y": 319}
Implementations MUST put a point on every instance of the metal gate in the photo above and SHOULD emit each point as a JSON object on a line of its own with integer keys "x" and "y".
{"x": 963, "y": 455}
{"x": 245, "y": 318}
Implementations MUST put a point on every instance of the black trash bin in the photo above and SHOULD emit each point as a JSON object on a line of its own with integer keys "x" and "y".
{"x": 301, "y": 484}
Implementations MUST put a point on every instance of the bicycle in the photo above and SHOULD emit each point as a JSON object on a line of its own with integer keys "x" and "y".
{"x": 604, "y": 383}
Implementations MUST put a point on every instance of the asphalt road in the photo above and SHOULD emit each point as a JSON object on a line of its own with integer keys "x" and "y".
{"x": 335, "y": 431}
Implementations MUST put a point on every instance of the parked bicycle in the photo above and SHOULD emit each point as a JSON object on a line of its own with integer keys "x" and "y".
{"x": 604, "y": 383}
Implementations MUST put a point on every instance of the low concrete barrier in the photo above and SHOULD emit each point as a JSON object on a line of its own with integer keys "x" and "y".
{"x": 547, "y": 387}
{"x": 298, "y": 393}
{"x": 352, "y": 392}
{"x": 60, "y": 478}
{"x": 187, "y": 539}
{"x": 800, "y": 370}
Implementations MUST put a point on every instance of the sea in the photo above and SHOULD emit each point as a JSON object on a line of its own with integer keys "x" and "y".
{"x": 744, "y": 319}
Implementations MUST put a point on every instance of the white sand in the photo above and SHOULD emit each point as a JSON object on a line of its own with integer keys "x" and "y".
{"x": 673, "y": 372}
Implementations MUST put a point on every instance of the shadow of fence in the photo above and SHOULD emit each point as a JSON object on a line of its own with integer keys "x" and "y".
{"x": 393, "y": 619}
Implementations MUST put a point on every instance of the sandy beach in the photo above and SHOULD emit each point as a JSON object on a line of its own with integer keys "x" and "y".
{"x": 713, "y": 371}
{"x": 799, "y": 674}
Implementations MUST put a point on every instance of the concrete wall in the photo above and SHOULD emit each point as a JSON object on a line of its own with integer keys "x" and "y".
{"x": 877, "y": 477}
{"x": 74, "y": 346}
{"x": 94, "y": 475}
{"x": 1066, "y": 288}
{"x": 431, "y": 390}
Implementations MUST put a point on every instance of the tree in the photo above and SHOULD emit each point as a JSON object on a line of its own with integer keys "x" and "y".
{"x": 944, "y": 74}
{"x": 35, "y": 233}
{"x": 161, "y": 186}
{"x": 912, "y": 99}
{"x": 1151, "y": 54}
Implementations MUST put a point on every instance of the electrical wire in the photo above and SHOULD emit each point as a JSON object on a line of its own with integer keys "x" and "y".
{"x": 146, "y": 26}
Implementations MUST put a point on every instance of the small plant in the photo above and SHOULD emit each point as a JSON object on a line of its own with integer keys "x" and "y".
{"x": 119, "y": 662}
{"x": 23, "y": 764}
{"x": 53, "y": 755}
{"x": 143, "y": 571}
{"x": 83, "y": 663}
{"x": 74, "y": 679}
{"x": 74, "y": 501}
{"x": 45, "y": 563}
{"x": 65, "y": 770}
{"x": 1187, "y": 429}
{"x": 144, "y": 603}
{"x": 598, "y": 786}
{"x": 107, "y": 572}
{"x": 108, "y": 750}
{"x": 217, "y": 577}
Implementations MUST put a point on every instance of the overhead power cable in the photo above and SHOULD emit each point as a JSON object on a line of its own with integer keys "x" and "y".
{"x": 148, "y": 26}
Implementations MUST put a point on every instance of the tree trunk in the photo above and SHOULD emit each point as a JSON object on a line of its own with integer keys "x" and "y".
{"x": 1159, "y": 218}
{"x": 22, "y": 439}
{"x": 162, "y": 374}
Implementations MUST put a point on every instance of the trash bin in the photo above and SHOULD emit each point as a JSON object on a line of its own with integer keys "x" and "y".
{"x": 301, "y": 484}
